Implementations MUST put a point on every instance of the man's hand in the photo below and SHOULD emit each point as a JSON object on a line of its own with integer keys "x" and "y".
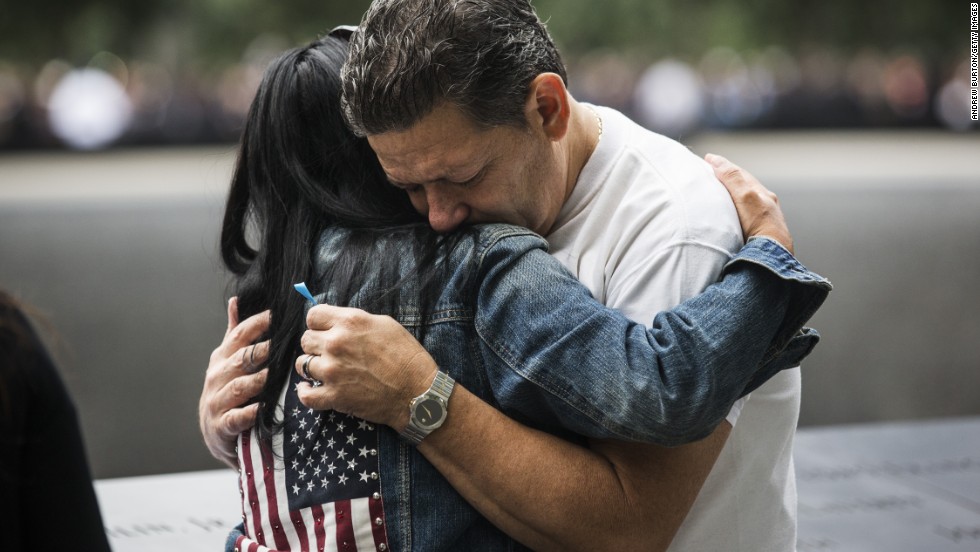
{"x": 232, "y": 380}
{"x": 369, "y": 365}
{"x": 758, "y": 208}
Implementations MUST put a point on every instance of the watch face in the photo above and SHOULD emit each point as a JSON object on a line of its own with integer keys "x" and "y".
{"x": 429, "y": 412}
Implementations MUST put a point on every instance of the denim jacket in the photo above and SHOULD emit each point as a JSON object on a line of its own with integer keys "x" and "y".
{"x": 517, "y": 330}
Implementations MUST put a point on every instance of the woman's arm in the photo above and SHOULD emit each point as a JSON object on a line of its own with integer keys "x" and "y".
{"x": 541, "y": 490}
{"x": 556, "y": 356}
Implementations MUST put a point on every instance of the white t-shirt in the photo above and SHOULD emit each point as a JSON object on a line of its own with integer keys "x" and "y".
{"x": 646, "y": 227}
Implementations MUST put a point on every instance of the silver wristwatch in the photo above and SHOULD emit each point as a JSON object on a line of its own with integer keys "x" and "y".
{"x": 428, "y": 411}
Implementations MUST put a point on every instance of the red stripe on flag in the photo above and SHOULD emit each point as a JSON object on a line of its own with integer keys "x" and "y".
{"x": 252, "y": 498}
{"x": 300, "y": 526}
{"x": 282, "y": 543}
{"x": 345, "y": 527}
{"x": 321, "y": 533}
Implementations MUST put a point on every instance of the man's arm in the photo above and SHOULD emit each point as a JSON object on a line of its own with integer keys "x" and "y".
{"x": 231, "y": 382}
{"x": 552, "y": 495}
{"x": 543, "y": 491}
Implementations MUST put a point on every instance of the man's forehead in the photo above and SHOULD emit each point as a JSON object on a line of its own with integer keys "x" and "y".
{"x": 429, "y": 165}
{"x": 440, "y": 146}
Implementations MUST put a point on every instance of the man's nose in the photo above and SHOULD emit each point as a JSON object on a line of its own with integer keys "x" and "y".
{"x": 445, "y": 212}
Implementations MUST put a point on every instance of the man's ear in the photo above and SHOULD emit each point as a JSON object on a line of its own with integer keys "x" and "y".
{"x": 548, "y": 106}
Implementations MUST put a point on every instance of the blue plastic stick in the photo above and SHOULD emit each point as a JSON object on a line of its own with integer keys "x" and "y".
{"x": 305, "y": 292}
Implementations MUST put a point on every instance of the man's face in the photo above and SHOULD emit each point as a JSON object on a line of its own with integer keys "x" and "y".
{"x": 455, "y": 171}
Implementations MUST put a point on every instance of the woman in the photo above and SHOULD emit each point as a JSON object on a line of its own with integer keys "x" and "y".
{"x": 324, "y": 214}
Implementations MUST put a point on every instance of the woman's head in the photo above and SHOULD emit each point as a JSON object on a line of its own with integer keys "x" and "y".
{"x": 300, "y": 171}
{"x": 298, "y": 160}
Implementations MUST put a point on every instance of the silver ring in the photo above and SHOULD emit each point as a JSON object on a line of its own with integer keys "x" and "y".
{"x": 247, "y": 366}
{"x": 306, "y": 372}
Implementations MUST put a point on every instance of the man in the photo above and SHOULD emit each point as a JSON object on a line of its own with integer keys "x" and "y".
{"x": 466, "y": 106}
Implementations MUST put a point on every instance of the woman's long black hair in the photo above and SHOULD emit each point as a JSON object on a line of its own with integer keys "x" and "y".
{"x": 299, "y": 171}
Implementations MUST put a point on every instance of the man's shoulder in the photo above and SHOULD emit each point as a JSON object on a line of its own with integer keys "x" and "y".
{"x": 671, "y": 162}
{"x": 659, "y": 181}
{"x": 633, "y": 135}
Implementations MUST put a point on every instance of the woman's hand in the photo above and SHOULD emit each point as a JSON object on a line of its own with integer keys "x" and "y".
{"x": 758, "y": 208}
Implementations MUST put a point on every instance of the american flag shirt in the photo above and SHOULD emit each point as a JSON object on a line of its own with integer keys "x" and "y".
{"x": 313, "y": 486}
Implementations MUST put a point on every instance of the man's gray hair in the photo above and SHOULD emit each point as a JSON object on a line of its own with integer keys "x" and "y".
{"x": 410, "y": 56}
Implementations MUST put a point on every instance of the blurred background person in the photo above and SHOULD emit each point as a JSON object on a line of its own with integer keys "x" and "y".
{"x": 48, "y": 501}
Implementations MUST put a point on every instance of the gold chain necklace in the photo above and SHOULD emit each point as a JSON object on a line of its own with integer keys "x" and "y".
{"x": 598, "y": 121}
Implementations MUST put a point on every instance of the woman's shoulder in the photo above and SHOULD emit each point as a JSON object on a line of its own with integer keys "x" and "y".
{"x": 407, "y": 258}
{"x": 480, "y": 239}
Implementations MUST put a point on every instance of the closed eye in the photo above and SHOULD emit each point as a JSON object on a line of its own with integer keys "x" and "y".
{"x": 473, "y": 181}
{"x": 410, "y": 188}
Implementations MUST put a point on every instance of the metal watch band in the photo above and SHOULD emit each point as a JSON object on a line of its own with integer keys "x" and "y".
{"x": 413, "y": 434}
{"x": 442, "y": 387}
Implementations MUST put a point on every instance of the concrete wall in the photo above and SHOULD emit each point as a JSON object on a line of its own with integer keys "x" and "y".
{"x": 894, "y": 221}
{"x": 119, "y": 251}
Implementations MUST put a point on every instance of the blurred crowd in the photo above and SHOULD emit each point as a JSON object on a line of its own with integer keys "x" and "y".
{"x": 113, "y": 101}
{"x": 770, "y": 89}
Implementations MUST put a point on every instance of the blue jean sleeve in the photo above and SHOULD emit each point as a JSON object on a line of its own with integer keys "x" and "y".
{"x": 556, "y": 356}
